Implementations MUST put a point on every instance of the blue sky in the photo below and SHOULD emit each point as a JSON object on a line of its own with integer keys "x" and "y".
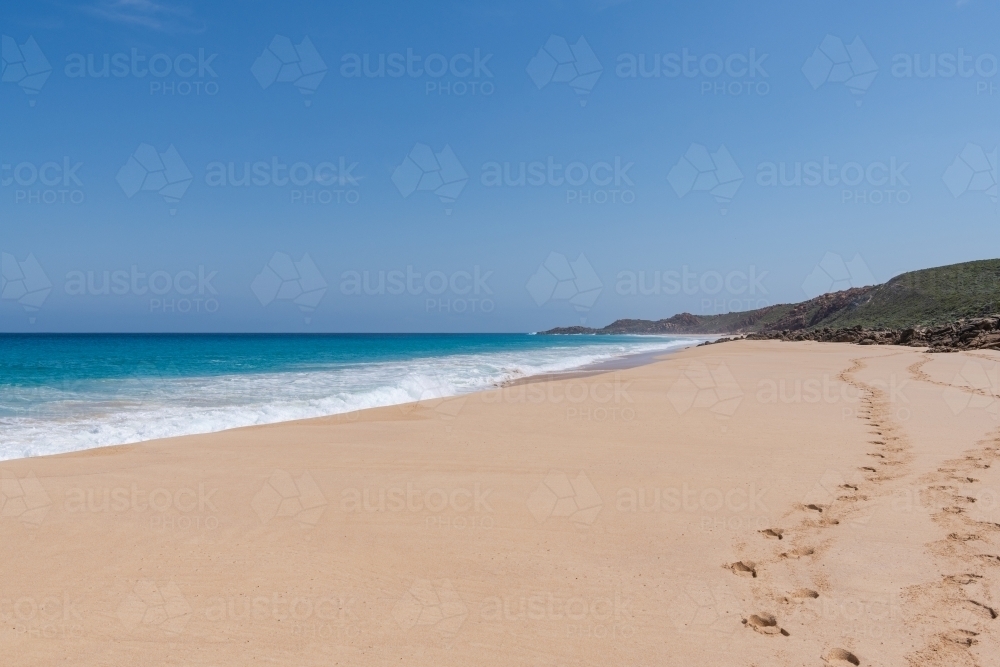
{"x": 674, "y": 197}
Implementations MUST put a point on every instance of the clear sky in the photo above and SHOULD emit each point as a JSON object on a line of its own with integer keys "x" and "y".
{"x": 504, "y": 166}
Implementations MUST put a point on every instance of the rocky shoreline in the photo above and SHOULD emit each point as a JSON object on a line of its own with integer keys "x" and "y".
{"x": 965, "y": 334}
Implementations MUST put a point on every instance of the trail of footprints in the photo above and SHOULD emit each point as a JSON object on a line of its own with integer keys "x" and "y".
{"x": 798, "y": 547}
{"x": 960, "y": 603}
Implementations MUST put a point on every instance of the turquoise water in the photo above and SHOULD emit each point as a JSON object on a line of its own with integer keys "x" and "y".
{"x": 62, "y": 393}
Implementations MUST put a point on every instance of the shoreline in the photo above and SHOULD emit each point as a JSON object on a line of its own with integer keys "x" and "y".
{"x": 622, "y": 362}
{"x": 729, "y": 519}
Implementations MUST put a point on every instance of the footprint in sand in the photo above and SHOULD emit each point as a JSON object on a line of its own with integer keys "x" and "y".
{"x": 765, "y": 624}
{"x": 744, "y": 569}
{"x": 773, "y": 532}
{"x": 838, "y": 657}
{"x": 963, "y": 537}
{"x": 799, "y": 553}
{"x": 961, "y": 637}
{"x": 800, "y": 595}
{"x": 814, "y": 507}
{"x": 979, "y": 608}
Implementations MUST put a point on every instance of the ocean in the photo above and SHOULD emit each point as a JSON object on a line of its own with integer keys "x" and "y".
{"x": 61, "y": 393}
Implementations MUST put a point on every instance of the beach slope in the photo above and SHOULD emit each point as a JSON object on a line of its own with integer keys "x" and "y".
{"x": 753, "y": 503}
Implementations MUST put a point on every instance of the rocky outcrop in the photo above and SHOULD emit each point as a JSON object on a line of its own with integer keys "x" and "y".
{"x": 967, "y": 334}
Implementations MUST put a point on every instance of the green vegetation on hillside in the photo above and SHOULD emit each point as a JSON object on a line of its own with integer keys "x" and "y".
{"x": 914, "y": 299}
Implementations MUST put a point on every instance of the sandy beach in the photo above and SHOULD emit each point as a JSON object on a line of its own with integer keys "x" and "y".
{"x": 747, "y": 503}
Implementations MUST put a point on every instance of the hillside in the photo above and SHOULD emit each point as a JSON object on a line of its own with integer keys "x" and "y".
{"x": 915, "y": 299}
